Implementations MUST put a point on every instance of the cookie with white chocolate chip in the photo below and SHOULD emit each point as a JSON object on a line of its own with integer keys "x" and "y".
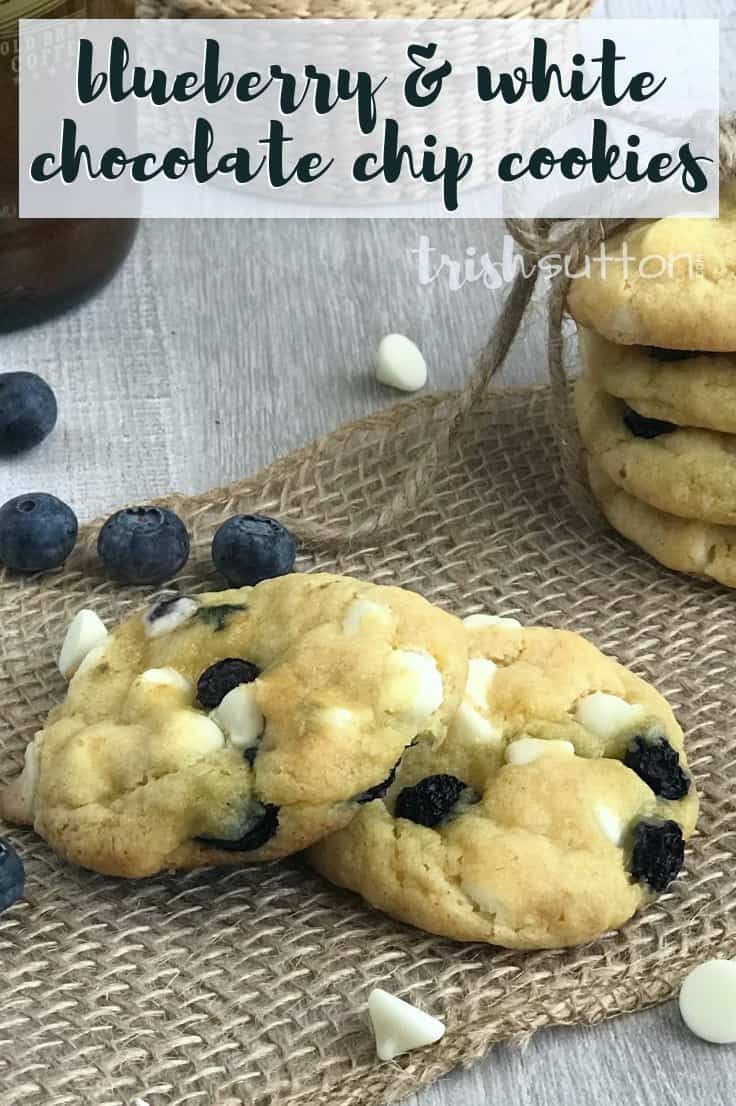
{"x": 669, "y": 283}
{"x": 558, "y": 803}
{"x": 236, "y": 726}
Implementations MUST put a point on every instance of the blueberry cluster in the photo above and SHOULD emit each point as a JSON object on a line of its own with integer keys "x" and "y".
{"x": 140, "y": 545}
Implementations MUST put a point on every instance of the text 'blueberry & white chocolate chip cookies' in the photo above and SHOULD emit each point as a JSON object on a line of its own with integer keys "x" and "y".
{"x": 557, "y": 805}
{"x": 656, "y": 405}
{"x": 235, "y": 726}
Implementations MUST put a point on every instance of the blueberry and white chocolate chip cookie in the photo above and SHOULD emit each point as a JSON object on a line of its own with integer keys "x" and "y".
{"x": 672, "y": 386}
{"x": 558, "y": 803}
{"x": 682, "y": 470}
{"x": 236, "y": 726}
{"x": 688, "y": 304}
{"x": 684, "y": 544}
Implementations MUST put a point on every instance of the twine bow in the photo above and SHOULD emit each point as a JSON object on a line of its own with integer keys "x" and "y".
{"x": 569, "y": 239}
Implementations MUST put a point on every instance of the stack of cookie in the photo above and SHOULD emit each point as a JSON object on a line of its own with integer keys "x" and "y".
{"x": 656, "y": 405}
{"x": 476, "y": 778}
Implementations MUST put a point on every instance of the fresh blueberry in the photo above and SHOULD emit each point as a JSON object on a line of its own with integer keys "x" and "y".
{"x": 658, "y": 764}
{"x": 430, "y": 800}
{"x": 143, "y": 545}
{"x": 250, "y": 548}
{"x": 259, "y": 826}
{"x": 12, "y": 876}
{"x": 27, "y": 411}
{"x": 643, "y": 427}
{"x": 221, "y": 677}
{"x": 657, "y": 853}
{"x": 37, "y": 532}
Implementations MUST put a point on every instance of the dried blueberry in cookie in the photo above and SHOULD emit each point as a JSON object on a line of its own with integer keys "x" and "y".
{"x": 430, "y": 801}
{"x": 642, "y": 427}
{"x": 236, "y": 726}
{"x": 657, "y": 853}
{"x": 557, "y": 802}
{"x": 221, "y": 677}
{"x": 661, "y": 354}
{"x": 260, "y": 825}
{"x": 658, "y": 764}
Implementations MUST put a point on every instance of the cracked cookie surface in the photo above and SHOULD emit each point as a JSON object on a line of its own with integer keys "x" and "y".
{"x": 239, "y": 725}
{"x": 683, "y": 471}
{"x": 691, "y": 306}
{"x": 691, "y": 391}
{"x": 557, "y": 826}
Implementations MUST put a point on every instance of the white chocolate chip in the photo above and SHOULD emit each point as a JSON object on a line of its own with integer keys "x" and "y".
{"x": 469, "y": 725}
{"x": 86, "y": 632}
{"x": 336, "y": 718}
{"x": 606, "y": 715}
{"x": 708, "y": 1001}
{"x": 525, "y": 750}
{"x": 361, "y": 610}
{"x": 610, "y": 823}
{"x": 478, "y": 621}
{"x": 92, "y": 659}
{"x": 201, "y": 735}
{"x": 400, "y": 364}
{"x": 29, "y": 777}
{"x": 480, "y": 677}
{"x": 240, "y": 716}
{"x": 169, "y": 677}
{"x": 168, "y": 614}
{"x": 483, "y": 899}
{"x": 159, "y": 689}
{"x": 398, "y": 1026}
{"x": 412, "y": 684}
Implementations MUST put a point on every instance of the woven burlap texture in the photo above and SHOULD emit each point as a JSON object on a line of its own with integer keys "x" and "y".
{"x": 249, "y": 986}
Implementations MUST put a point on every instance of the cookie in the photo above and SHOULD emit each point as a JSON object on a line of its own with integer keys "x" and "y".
{"x": 697, "y": 390}
{"x": 684, "y": 471}
{"x": 239, "y": 725}
{"x": 685, "y": 545}
{"x": 557, "y": 805}
{"x": 690, "y": 306}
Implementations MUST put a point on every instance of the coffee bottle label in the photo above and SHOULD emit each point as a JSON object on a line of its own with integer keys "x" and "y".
{"x": 45, "y": 42}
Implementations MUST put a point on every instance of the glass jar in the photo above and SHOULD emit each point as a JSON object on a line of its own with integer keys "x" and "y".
{"x": 47, "y": 265}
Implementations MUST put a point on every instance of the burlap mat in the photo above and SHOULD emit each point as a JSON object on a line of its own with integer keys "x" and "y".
{"x": 249, "y": 986}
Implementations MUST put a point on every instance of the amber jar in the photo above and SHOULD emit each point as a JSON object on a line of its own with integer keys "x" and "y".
{"x": 47, "y": 265}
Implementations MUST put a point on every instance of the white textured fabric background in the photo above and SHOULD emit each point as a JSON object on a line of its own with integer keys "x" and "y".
{"x": 223, "y": 345}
